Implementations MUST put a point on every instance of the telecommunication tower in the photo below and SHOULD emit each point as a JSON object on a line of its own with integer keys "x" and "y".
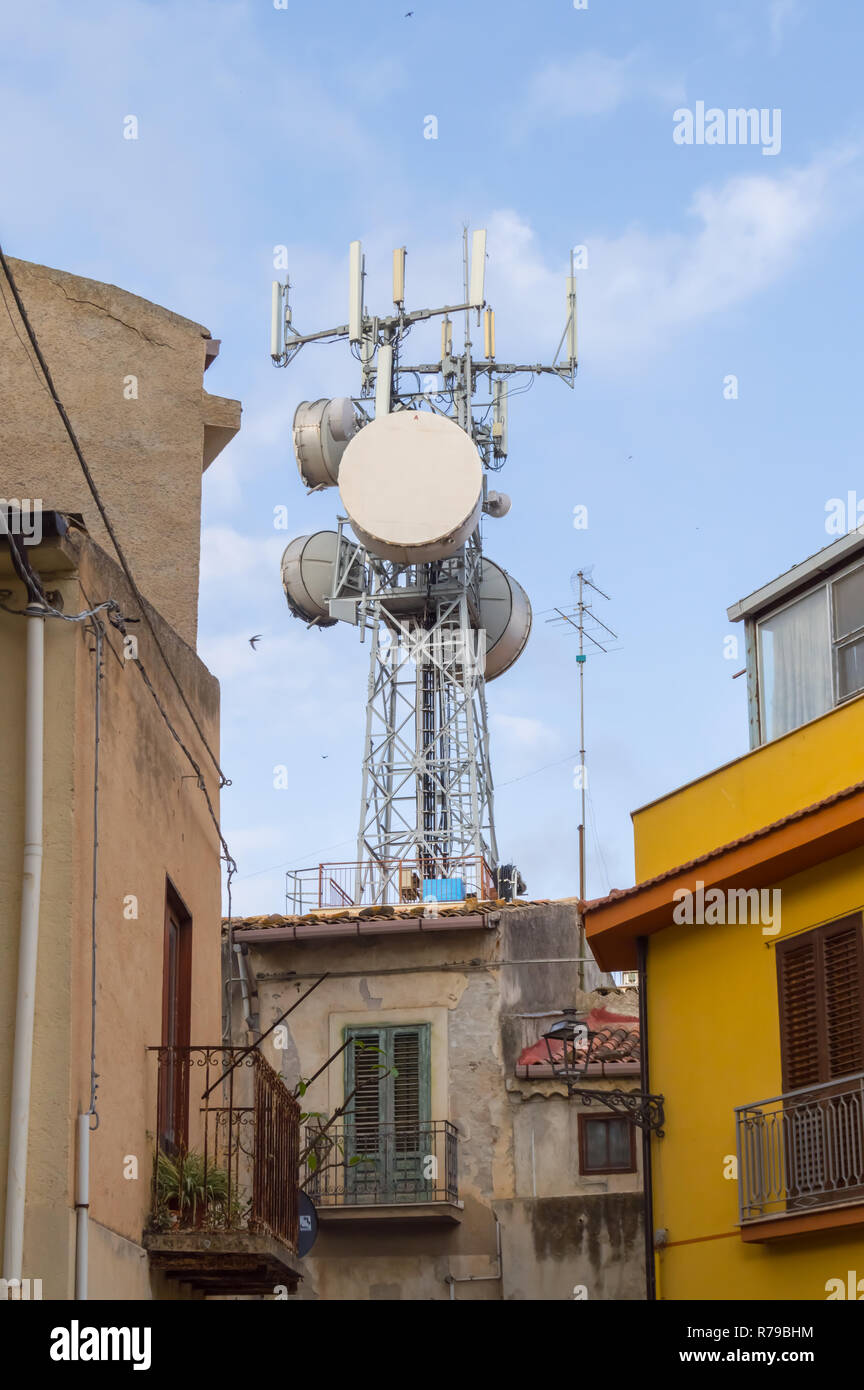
{"x": 411, "y": 456}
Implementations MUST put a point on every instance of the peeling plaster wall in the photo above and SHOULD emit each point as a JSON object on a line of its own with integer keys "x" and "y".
{"x": 472, "y": 986}
{"x": 573, "y": 1247}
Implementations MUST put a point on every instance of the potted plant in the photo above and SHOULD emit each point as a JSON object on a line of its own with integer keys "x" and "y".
{"x": 184, "y": 1193}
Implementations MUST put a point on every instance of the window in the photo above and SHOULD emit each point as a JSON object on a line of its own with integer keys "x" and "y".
{"x": 607, "y": 1144}
{"x": 811, "y": 654}
{"x": 820, "y": 981}
{"x": 849, "y": 633}
{"x": 176, "y": 1024}
{"x": 795, "y": 663}
{"x": 388, "y": 1122}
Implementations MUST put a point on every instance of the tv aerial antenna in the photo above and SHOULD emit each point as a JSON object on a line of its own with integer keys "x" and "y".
{"x": 593, "y": 631}
{"x": 411, "y": 456}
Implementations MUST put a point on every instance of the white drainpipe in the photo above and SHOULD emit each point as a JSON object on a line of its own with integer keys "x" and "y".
{"x": 453, "y": 1279}
{"x": 28, "y": 947}
{"x": 82, "y": 1206}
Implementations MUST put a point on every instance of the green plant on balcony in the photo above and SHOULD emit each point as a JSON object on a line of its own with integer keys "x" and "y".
{"x": 188, "y": 1192}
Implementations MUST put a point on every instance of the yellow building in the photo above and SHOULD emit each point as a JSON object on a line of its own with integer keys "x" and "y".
{"x": 746, "y": 921}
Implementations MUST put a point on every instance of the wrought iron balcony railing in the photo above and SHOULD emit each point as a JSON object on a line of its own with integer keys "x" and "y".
{"x": 372, "y": 1164}
{"x": 389, "y": 882}
{"x": 801, "y": 1151}
{"x": 228, "y": 1145}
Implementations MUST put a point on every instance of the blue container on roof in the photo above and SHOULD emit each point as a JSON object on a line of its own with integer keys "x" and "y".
{"x": 444, "y": 890}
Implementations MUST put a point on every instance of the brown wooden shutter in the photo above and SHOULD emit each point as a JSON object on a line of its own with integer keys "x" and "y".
{"x": 843, "y": 970}
{"x": 797, "y": 983}
{"x": 820, "y": 979}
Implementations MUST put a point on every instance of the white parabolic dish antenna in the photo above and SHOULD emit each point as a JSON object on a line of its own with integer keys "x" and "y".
{"x": 505, "y": 616}
{"x": 321, "y": 432}
{"x": 412, "y": 485}
{"x": 308, "y": 573}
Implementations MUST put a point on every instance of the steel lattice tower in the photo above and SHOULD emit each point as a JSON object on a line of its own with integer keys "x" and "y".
{"x": 427, "y": 790}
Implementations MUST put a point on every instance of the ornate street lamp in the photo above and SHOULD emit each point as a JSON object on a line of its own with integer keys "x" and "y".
{"x": 572, "y": 1047}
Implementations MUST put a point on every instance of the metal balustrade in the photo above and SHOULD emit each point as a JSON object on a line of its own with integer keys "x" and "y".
{"x": 372, "y": 1164}
{"x": 228, "y": 1144}
{"x": 389, "y": 883}
{"x": 801, "y": 1151}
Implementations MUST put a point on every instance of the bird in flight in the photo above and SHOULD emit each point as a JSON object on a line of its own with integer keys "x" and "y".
{"x": 408, "y": 14}
{"x": 253, "y": 640}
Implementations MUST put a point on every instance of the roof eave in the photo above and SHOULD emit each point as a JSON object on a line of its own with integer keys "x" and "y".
{"x": 613, "y": 926}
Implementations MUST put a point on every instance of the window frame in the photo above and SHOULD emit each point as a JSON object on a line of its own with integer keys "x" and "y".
{"x": 584, "y": 1120}
{"x": 827, "y": 584}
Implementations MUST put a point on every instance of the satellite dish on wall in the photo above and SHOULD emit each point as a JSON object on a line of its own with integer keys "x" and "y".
{"x": 321, "y": 433}
{"x": 308, "y": 576}
{"x": 412, "y": 485}
{"x": 505, "y": 616}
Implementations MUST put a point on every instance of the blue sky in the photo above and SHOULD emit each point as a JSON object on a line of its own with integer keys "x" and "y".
{"x": 304, "y": 126}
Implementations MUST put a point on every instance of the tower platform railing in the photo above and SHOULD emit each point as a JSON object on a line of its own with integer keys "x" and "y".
{"x": 405, "y": 882}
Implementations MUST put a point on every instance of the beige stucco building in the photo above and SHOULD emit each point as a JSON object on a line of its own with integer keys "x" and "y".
{"x": 476, "y": 1182}
{"x": 130, "y": 376}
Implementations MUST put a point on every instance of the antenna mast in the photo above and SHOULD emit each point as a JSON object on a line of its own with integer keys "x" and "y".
{"x": 576, "y": 617}
{"x": 411, "y": 456}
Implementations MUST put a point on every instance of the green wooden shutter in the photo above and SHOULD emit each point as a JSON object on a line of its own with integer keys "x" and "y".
{"x": 366, "y": 1062}
{"x": 406, "y": 1089}
{"x": 388, "y": 1120}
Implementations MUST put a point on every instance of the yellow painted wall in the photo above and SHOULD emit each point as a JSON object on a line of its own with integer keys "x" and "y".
{"x": 786, "y": 775}
{"x": 714, "y": 1045}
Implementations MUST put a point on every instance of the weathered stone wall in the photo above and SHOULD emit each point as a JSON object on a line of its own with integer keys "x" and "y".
{"x": 518, "y": 1155}
{"x": 573, "y": 1247}
{"x": 130, "y": 376}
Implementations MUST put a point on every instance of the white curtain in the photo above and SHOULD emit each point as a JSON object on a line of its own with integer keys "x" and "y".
{"x": 795, "y": 664}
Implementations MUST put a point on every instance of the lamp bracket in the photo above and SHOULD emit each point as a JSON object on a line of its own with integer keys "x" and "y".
{"x": 645, "y": 1111}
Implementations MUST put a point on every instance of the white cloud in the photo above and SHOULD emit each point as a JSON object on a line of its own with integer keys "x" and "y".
{"x": 228, "y": 557}
{"x": 591, "y": 84}
{"x": 783, "y": 15}
{"x": 641, "y": 288}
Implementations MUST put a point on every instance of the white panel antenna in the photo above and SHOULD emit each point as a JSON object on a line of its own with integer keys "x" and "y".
{"x": 355, "y": 292}
{"x": 276, "y": 324}
{"x": 489, "y": 334}
{"x": 384, "y": 380}
{"x": 477, "y": 284}
{"x": 572, "y": 344}
{"x": 499, "y": 418}
{"x": 399, "y": 275}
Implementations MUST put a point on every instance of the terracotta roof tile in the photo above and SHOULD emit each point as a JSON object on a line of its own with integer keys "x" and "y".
{"x": 616, "y": 1043}
{"x": 469, "y": 908}
{"x": 616, "y": 893}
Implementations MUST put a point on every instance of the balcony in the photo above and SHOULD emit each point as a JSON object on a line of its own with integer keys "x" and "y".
{"x": 801, "y": 1160}
{"x": 224, "y": 1203}
{"x": 369, "y": 1171}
